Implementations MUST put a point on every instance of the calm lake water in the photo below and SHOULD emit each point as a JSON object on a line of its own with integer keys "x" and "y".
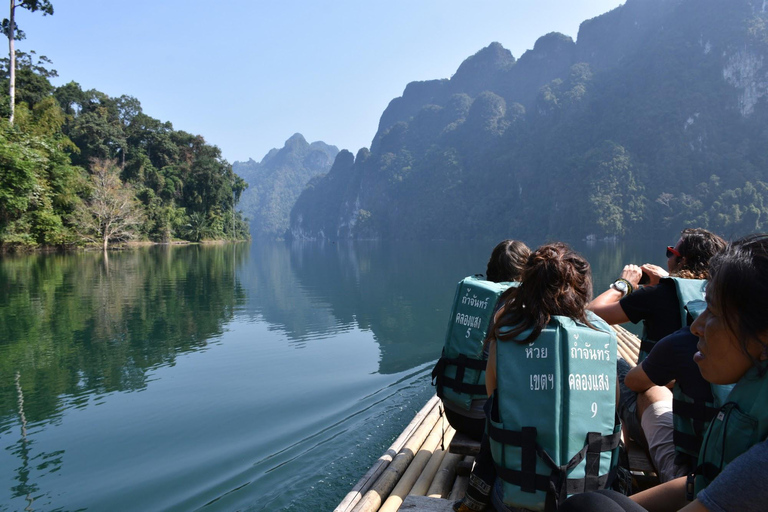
{"x": 266, "y": 376}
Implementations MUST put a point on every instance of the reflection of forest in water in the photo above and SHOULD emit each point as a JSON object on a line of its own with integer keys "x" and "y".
{"x": 74, "y": 328}
{"x": 89, "y": 323}
{"x": 82, "y": 324}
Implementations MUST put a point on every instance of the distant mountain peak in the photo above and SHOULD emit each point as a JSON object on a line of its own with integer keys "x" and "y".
{"x": 296, "y": 140}
{"x": 492, "y": 58}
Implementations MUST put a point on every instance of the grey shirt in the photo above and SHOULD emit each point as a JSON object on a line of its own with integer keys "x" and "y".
{"x": 742, "y": 484}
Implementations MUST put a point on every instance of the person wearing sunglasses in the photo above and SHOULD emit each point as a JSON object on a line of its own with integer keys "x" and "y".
{"x": 648, "y": 415}
{"x": 660, "y": 304}
{"x": 732, "y": 349}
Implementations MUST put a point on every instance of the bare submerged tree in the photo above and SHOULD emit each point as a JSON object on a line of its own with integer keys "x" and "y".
{"x": 112, "y": 213}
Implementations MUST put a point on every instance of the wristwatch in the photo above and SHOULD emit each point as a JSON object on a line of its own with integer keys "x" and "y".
{"x": 623, "y": 286}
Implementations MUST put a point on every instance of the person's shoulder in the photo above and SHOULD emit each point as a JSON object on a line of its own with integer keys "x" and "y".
{"x": 679, "y": 342}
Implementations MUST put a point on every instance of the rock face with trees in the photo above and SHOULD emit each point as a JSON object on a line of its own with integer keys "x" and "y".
{"x": 653, "y": 119}
{"x": 276, "y": 182}
{"x": 62, "y": 138}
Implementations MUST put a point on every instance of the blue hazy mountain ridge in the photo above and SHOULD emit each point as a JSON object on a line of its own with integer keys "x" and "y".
{"x": 276, "y": 182}
{"x": 654, "y": 118}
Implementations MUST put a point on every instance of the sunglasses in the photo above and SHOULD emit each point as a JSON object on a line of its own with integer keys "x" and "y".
{"x": 672, "y": 251}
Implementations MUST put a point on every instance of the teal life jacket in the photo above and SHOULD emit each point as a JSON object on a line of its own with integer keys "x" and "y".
{"x": 690, "y": 417}
{"x": 687, "y": 290}
{"x": 740, "y": 423}
{"x": 459, "y": 374}
{"x": 553, "y": 429}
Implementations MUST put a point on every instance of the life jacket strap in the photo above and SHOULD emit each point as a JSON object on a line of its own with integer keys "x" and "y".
{"x": 462, "y": 363}
{"x": 688, "y": 443}
{"x": 557, "y": 486}
{"x": 697, "y": 411}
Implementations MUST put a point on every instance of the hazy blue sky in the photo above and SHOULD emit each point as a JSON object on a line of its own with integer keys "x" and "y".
{"x": 248, "y": 74}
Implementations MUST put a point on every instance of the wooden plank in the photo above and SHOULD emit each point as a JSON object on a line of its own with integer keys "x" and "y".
{"x": 464, "y": 445}
{"x": 426, "y": 504}
{"x": 365, "y": 483}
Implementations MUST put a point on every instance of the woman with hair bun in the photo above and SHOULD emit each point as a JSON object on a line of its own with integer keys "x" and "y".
{"x": 551, "y": 374}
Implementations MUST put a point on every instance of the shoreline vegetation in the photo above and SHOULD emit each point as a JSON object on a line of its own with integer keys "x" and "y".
{"x": 120, "y": 246}
{"x": 79, "y": 168}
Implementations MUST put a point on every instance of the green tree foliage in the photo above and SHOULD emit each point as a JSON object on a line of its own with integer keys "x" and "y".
{"x": 59, "y": 132}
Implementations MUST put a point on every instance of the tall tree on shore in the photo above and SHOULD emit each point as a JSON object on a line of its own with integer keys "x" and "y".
{"x": 13, "y": 33}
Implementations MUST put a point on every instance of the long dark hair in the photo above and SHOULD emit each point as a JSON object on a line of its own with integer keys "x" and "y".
{"x": 698, "y": 246}
{"x": 507, "y": 261}
{"x": 556, "y": 280}
{"x": 739, "y": 284}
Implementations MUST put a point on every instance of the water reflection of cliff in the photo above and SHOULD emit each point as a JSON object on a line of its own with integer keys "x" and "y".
{"x": 401, "y": 293}
{"x": 76, "y": 325}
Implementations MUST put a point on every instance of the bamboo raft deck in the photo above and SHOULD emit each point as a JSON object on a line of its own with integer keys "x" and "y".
{"x": 427, "y": 467}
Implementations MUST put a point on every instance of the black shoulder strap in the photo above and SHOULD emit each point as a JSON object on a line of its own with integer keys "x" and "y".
{"x": 457, "y": 384}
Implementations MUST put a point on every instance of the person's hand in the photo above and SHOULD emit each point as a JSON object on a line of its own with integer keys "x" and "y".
{"x": 632, "y": 273}
{"x": 655, "y": 273}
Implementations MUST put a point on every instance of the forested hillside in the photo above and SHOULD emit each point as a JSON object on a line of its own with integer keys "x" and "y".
{"x": 655, "y": 118}
{"x": 275, "y": 183}
{"x": 79, "y": 166}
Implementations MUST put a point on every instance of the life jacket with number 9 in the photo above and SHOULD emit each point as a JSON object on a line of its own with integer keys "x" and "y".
{"x": 553, "y": 429}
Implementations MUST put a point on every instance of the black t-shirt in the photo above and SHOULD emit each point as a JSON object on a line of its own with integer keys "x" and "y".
{"x": 672, "y": 358}
{"x": 657, "y": 305}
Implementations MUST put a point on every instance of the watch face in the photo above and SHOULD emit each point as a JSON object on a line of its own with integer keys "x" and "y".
{"x": 621, "y": 286}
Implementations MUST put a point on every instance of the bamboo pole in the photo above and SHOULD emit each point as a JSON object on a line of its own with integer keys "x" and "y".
{"x": 379, "y": 491}
{"x": 441, "y": 484}
{"x": 631, "y": 341}
{"x": 416, "y": 466}
{"x": 365, "y": 483}
{"x": 459, "y": 488}
{"x": 626, "y": 356}
{"x": 421, "y": 486}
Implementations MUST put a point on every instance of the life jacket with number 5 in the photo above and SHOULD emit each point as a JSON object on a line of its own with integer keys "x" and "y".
{"x": 459, "y": 374}
{"x": 553, "y": 428}
{"x": 687, "y": 290}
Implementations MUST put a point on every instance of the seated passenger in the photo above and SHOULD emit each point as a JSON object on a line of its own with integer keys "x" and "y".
{"x": 732, "y": 348}
{"x": 674, "y": 442}
{"x": 660, "y": 304}
{"x": 551, "y": 367}
{"x": 460, "y": 372}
